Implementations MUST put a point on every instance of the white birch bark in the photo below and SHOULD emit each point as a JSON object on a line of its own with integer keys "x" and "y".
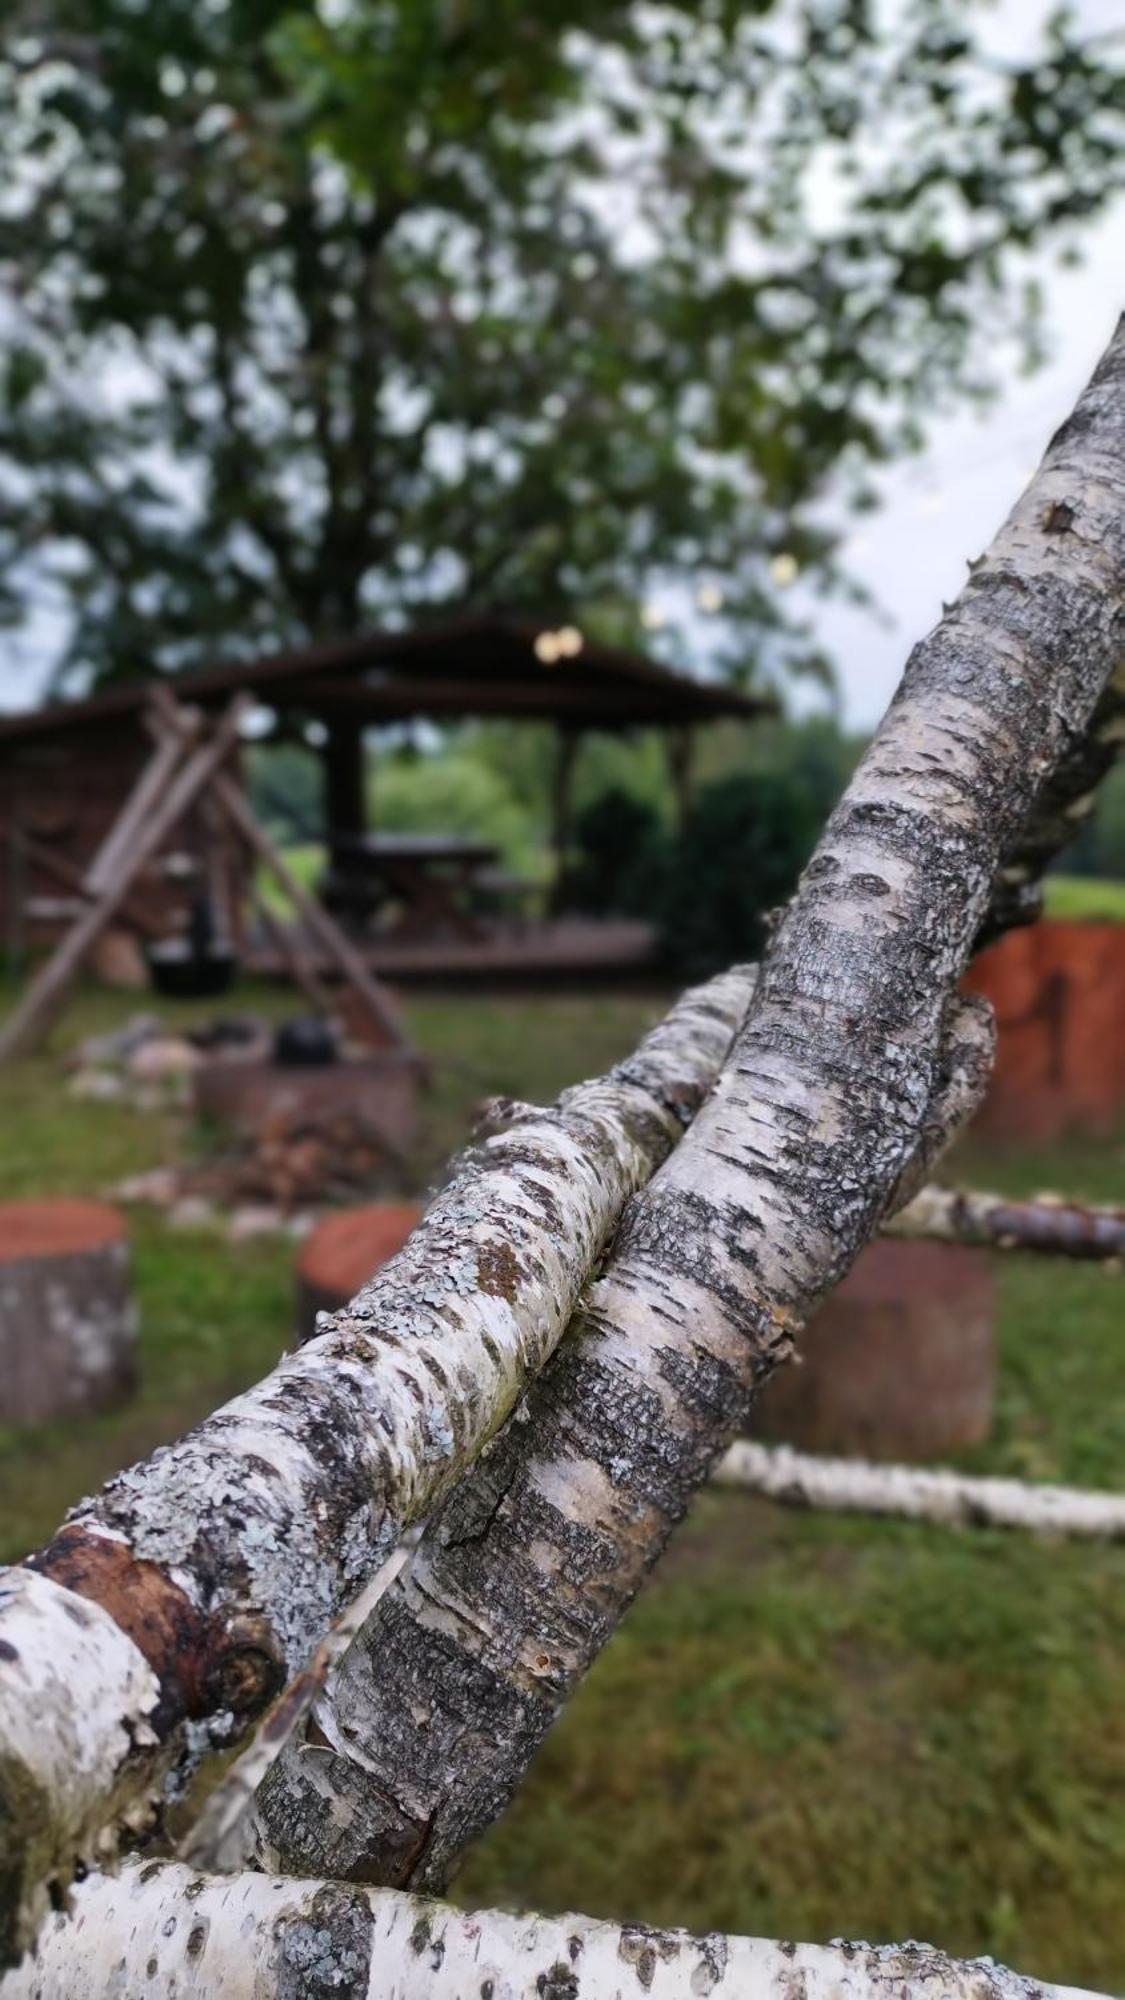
{"x": 61, "y": 1655}
{"x": 915, "y": 1493}
{"x": 167, "y": 1933}
{"x": 226, "y": 1556}
{"x": 427, "y": 1724}
{"x": 854, "y": 1061}
{"x": 1049, "y": 1225}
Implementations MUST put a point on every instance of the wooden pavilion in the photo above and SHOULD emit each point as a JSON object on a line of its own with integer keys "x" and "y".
{"x": 65, "y": 769}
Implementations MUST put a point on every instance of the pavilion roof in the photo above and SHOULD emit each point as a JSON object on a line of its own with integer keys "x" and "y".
{"x": 477, "y": 664}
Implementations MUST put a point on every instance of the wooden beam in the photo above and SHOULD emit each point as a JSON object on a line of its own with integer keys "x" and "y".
{"x": 47, "y": 992}
{"x": 336, "y": 947}
{"x": 69, "y": 876}
{"x": 566, "y": 753}
{"x": 345, "y": 793}
{"x": 150, "y": 787}
{"x": 584, "y": 703}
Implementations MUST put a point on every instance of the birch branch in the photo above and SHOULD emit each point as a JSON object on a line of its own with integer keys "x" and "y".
{"x": 911, "y": 1493}
{"x": 1048, "y": 1225}
{"x": 168, "y": 1933}
{"x": 224, "y": 1558}
{"x": 849, "y": 1072}
{"x": 1064, "y": 804}
{"x": 428, "y": 1723}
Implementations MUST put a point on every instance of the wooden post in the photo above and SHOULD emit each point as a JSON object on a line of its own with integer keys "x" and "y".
{"x": 146, "y": 794}
{"x": 47, "y": 992}
{"x": 288, "y": 949}
{"x": 230, "y": 797}
{"x": 345, "y": 798}
{"x": 566, "y": 753}
{"x": 329, "y": 936}
{"x": 679, "y": 747}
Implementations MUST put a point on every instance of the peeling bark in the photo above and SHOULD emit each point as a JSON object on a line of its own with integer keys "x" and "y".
{"x": 856, "y": 1058}
{"x": 914, "y": 1493}
{"x": 225, "y": 1557}
{"x": 166, "y": 1932}
{"x": 1049, "y": 1225}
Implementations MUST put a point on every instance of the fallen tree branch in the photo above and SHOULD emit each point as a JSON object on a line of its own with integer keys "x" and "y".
{"x": 164, "y": 1931}
{"x": 1048, "y": 1224}
{"x": 856, "y": 1058}
{"x": 915, "y": 1493}
{"x": 225, "y": 1557}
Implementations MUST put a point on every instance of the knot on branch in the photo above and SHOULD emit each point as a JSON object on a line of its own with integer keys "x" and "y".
{"x": 499, "y": 1114}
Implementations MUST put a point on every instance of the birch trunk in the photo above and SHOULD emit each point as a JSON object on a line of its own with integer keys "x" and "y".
{"x": 170, "y": 1934}
{"x": 224, "y": 1558}
{"x": 911, "y": 1493}
{"x": 852, "y": 1065}
{"x": 1053, "y": 1227}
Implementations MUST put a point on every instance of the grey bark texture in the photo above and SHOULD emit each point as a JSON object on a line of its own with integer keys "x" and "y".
{"x": 224, "y": 1558}
{"x": 855, "y": 1063}
{"x": 1064, "y": 804}
{"x": 167, "y": 1933}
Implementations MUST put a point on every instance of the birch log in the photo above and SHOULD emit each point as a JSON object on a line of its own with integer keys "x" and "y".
{"x": 1047, "y": 1224}
{"x": 170, "y": 1934}
{"x": 225, "y": 1557}
{"x": 913, "y": 1493}
{"x": 840, "y": 1083}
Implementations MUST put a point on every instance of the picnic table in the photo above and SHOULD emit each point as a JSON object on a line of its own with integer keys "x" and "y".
{"x": 433, "y": 881}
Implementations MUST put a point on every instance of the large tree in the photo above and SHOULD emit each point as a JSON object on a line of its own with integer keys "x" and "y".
{"x": 317, "y": 315}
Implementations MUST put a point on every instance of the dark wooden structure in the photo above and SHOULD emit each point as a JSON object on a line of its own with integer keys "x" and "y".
{"x": 65, "y": 769}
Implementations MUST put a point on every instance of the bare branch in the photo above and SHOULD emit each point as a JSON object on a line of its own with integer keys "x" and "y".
{"x": 165, "y": 1931}
{"x": 914, "y": 1493}
{"x": 225, "y": 1557}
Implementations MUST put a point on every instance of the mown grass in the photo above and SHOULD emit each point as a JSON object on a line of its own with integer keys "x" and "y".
{"x": 805, "y": 1726}
{"x": 1085, "y": 896}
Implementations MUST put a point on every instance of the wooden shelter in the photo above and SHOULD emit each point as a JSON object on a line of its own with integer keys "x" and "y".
{"x": 64, "y": 769}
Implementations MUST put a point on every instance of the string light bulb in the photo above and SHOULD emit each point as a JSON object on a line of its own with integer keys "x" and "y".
{"x": 784, "y": 569}
{"x": 709, "y": 597}
{"x": 569, "y": 642}
{"x": 547, "y": 648}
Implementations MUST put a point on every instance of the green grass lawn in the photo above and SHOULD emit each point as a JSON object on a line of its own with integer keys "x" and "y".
{"x": 1085, "y": 896}
{"x": 805, "y": 1726}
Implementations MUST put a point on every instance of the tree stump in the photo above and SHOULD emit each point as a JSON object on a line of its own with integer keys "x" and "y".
{"x": 339, "y": 1256}
{"x": 898, "y": 1363}
{"x": 68, "y": 1328}
{"x": 1058, "y": 988}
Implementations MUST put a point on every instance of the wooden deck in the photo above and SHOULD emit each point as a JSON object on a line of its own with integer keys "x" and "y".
{"x": 571, "y": 950}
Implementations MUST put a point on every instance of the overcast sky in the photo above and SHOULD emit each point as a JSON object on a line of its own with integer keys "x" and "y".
{"x": 938, "y": 509}
{"x": 942, "y": 508}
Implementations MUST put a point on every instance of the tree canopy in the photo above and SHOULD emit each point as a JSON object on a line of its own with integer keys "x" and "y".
{"x": 320, "y": 315}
